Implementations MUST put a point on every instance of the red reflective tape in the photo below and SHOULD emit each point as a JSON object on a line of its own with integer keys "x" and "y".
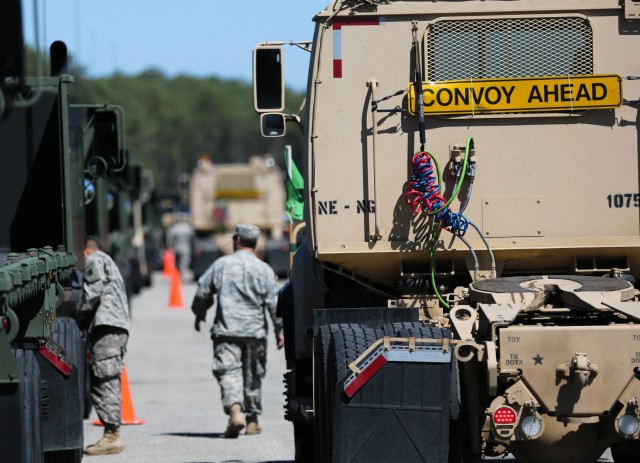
{"x": 337, "y": 25}
{"x": 337, "y": 68}
{"x": 365, "y": 375}
{"x": 59, "y": 362}
{"x": 339, "y": 22}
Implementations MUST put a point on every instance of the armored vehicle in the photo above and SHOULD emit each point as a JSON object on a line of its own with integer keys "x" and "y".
{"x": 45, "y": 146}
{"x": 466, "y": 285}
{"x": 221, "y": 196}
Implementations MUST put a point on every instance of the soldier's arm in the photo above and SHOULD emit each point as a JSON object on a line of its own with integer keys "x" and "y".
{"x": 93, "y": 285}
{"x": 203, "y": 299}
{"x": 271, "y": 303}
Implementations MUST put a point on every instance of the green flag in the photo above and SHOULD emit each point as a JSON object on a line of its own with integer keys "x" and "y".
{"x": 295, "y": 187}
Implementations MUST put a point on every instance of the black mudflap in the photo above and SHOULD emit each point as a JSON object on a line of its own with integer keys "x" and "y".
{"x": 401, "y": 414}
{"x": 62, "y": 427}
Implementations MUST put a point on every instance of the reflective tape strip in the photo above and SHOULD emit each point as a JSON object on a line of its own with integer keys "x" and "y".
{"x": 55, "y": 359}
{"x": 337, "y": 25}
{"x": 357, "y": 381}
{"x": 379, "y": 357}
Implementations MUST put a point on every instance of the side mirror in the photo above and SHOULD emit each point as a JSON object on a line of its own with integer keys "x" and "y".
{"x": 106, "y": 154}
{"x": 268, "y": 81}
{"x": 272, "y": 125}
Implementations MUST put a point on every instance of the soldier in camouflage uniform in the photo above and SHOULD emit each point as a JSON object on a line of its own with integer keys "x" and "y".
{"x": 247, "y": 289}
{"x": 105, "y": 307}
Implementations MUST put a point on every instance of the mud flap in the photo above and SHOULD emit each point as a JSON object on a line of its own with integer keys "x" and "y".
{"x": 401, "y": 413}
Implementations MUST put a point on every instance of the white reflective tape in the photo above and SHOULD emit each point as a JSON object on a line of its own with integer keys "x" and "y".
{"x": 337, "y": 44}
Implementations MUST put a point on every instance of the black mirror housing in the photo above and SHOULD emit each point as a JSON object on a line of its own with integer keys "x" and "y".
{"x": 268, "y": 79}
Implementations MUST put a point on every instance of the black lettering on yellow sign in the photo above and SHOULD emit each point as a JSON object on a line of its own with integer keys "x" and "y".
{"x": 564, "y": 93}
{"x": 535, "y": 94}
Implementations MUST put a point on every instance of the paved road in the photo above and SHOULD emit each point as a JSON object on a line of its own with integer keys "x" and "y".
{"x": 169, "y": 369}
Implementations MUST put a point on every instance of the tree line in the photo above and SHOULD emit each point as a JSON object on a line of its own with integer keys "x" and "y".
{"x": 171, "y": 122}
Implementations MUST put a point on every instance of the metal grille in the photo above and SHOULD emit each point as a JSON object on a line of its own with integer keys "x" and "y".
{"x": 502, "y": 48}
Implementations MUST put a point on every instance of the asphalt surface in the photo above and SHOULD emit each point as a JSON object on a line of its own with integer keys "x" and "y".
{"x": 168, "y": 366}
{"x": 172, "y": 389}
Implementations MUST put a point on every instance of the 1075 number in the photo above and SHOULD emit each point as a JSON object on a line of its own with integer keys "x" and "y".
{"x": 624, "y": 200}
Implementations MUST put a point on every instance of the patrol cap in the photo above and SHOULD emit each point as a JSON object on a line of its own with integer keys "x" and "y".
{"x": 247, "y": 231}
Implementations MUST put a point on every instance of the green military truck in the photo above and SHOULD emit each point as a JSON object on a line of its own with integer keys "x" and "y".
{"x": 466, "y": 286}
{"x": 47, "y": 162}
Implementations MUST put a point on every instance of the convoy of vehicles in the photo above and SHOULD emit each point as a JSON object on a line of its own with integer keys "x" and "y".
{"x": 54, "y": 156}
{"x": 466, "y": 285}
{"x": 221, "y": 196}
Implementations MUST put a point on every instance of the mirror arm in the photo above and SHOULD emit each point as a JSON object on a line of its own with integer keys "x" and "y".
{"x": 295, "y": 118}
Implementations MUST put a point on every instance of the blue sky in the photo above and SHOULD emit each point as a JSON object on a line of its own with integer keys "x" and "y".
{"x": 200, "y": 38}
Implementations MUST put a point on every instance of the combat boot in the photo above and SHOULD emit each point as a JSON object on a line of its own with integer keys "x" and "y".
{"x": 108, "y": 444}
{"x": 236, "y": 422}
{"x": 252, "y": 425}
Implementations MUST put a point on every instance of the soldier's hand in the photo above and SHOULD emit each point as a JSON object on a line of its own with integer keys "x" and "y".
{"x": 198, "y": 321}
{"x": 280, "y": 341}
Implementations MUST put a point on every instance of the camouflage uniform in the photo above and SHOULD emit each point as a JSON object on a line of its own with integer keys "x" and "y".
{"x": 179, "y": 238}
{"x": 105, "y": 303}
{"x": 245, "y": 287}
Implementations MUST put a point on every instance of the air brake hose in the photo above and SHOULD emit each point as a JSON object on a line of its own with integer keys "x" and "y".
{"x": 424, "y": 196}
{"x": 424, "y": 191}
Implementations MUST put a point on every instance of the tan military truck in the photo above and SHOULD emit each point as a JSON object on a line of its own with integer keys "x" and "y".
{"x": 466, "y": 283}
{"x": 221, "y": 196}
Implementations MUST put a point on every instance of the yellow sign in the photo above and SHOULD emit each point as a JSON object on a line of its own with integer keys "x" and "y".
{"x": 527, "y": 94}
{"x": 237, "y": 194}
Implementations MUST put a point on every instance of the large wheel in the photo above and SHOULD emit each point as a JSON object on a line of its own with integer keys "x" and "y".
{"x": 321, "y": 392}
{"x": 21, "y": 405}
{"x": 347, "y": 342}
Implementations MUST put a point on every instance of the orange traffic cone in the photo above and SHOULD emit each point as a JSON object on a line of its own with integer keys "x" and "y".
{"x": 128, "y": 415}
{"x": 168, "y": 263}
{"x": 175, "y": 293}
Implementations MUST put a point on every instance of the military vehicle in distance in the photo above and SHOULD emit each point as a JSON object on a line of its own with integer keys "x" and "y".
{"x": 466, "y": 286}
{"x": 221, "y": 196}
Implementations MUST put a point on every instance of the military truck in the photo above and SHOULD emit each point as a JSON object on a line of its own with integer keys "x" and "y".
{"x": 222, "y": 196}
{"x": 43, "y": 343}
{"x": 466, "y": 285}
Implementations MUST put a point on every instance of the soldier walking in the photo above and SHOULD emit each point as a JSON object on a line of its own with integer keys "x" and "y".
{"x": 246, "y": 289}
{"x": 179, "y": 238}
{"x": 105, "y": 308}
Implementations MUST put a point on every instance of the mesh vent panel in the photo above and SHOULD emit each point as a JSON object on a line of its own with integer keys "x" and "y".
{"x": 483, "y": 49}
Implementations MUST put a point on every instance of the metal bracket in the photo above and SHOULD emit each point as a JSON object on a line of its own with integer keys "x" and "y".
{"x": 632, "y": 9}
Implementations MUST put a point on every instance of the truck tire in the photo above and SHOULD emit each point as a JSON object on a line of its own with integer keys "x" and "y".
{"x": 321, "y": 391}
{"x": 347, "y": 342}
{"x": 22, "y": 407}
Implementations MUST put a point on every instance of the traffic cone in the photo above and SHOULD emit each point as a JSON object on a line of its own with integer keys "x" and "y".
{"x": 168, "y": 263}
{"x": 175, "y": 293}
{"x": 127, "y": 414}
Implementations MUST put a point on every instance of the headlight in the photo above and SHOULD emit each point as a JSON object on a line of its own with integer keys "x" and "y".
{"x": 531, "y": 426}
{"x": 628, "y": 425}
